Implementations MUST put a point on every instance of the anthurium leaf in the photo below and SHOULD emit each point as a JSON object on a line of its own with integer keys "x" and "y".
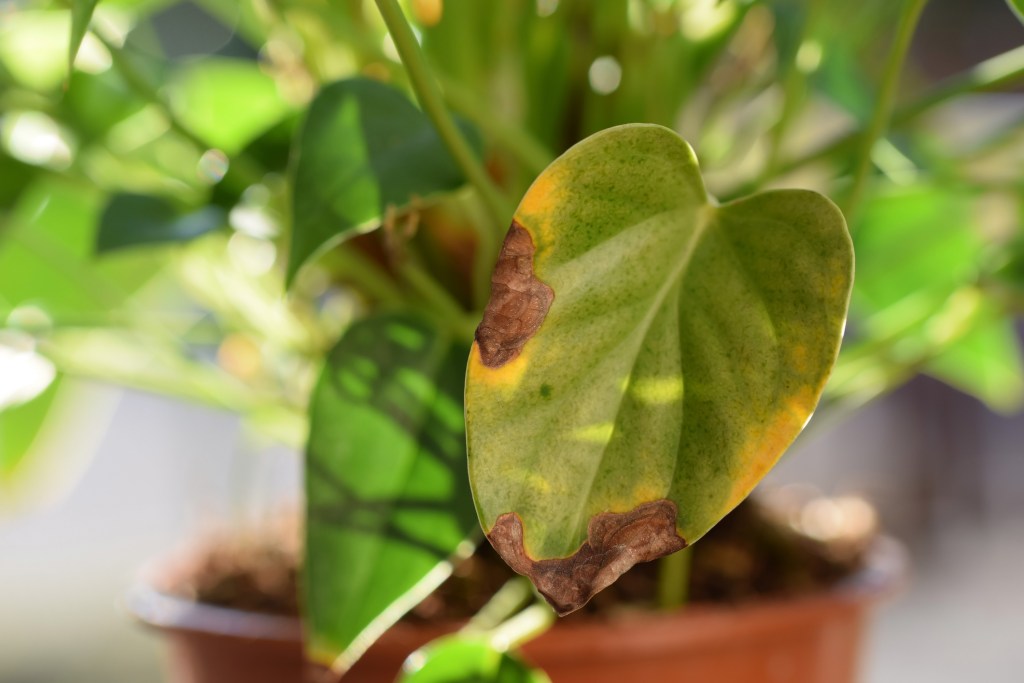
{"x": 645, "y": 358}
{"x": 363, "y": 147}
{"x": 387, "y": 492}
{"x": 133, "y": 219}
{"x": 81, "y": 15}
{"x": 467, "y": 659}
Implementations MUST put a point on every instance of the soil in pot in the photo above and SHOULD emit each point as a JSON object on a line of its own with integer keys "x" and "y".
{"x": 750, "y": 559}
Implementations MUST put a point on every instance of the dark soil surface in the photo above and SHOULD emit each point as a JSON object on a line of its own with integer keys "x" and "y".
{"x": 746, "y": 557}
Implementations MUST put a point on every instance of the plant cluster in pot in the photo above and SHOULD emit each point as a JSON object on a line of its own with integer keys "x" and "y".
{"x": 639, "y": 353}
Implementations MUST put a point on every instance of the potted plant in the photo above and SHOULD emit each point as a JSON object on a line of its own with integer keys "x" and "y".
{"x": 640, "y": 355}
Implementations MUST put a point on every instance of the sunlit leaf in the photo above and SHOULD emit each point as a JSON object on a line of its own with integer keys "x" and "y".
{"x": 363, "y": 147}
{"x": 81, "y": 15}
{"x": 33, "y": 47}
{"x": 685, "y": 347}
{"x": 387, "y": 493}
{"x": 226, "y": 102}
{"x": 130, "y": 220}
{"x": 467, "y": 659}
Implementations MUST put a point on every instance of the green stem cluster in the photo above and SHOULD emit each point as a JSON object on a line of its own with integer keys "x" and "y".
{"x": 908, "y": 19}
{"x": 429, "y": 95}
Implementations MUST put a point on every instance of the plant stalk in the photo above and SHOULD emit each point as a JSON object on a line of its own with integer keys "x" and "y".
{"x": 674, "y": 580}
{"x": 429, "y": 95}
{"x": 880, "y": 118}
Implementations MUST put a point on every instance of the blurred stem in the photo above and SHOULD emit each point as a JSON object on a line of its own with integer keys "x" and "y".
{"x": 793, "y": 89}
{"x": 366, "y": 275}
{"x": 906, "y": 25}
{"x": 510, "y": 598}
{"x": 992, "y": 74}
{"x": 530, "y": 152}
{"x": 674, "y": 580}
{"x": 434, "y": 295}
{"x": 523, "y": 627}
{"x": 429, "y": 96}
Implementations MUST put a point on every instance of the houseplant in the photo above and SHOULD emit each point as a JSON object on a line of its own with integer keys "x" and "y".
{"x": 620, "y": 64}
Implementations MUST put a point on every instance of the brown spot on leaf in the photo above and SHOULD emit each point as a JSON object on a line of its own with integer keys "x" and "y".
{"x": 519, "y": 301}
{"x": 615, "y": 542}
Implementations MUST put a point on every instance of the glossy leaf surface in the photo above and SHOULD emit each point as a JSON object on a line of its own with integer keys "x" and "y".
{"x": 465, "y": 659}
{"x": 686, "y": 346}
{"x": 387, "y": 492}
{"x": 363, "y": 147}
{"x": 131, "y": 219}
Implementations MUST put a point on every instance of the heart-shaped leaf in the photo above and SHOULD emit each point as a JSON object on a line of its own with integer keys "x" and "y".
{"x": 645, "y": 358}
{"x": 134, "y": 219}
{"x": 363, "y": 147}
{"x": 387, "y": 493}
{"x": 467, "y": 659}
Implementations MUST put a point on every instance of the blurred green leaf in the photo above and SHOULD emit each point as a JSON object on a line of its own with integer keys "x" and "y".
{"x": 914, "y": 243}
{"x": 95, "y": 103}
{"x": 81, "y": 15}
{"x": 467, "y": 659}
{"x": 986, "y": 363}
{"x": 132, "y": 219}
{"x": 918, "y": 257}
{"x": 363, "y": 147}
{"x": 226, "y": 102}
{"x": 387, "y": 491}
{"x": 19, "y": 426}
{"x": 47, "y": 254}
{"x": 33, "y": 47}
{"x": 1018, "y": 8}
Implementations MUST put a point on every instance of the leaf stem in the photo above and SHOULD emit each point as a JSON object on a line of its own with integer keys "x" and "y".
{"x": 434, "y": 295}
{"x": 510, "y": 598}
{"x": 674, "y": 579}
{"x": 794, "y": 81}
{"x": 908, "y": 19}
{"x": 530, "y": 152}
{"x": 522, "y": 628}
{"x": 429, "y": 95}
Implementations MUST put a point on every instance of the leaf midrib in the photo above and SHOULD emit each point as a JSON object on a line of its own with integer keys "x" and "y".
{"x": 705, "y": 214}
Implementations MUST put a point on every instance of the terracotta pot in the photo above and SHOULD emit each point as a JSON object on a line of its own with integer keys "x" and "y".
{"x": 812, "y": 639}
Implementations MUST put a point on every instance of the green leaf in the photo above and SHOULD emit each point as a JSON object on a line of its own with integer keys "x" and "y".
{"x": 226, "y": 102}
{"x": 685, "y": 347}
{"x": 19, "y": 426}
{"x": 986, "y": 363}
{"x": 387, "y": 493}
{"x": 1018, "y": 8}
{"x": 131, "y": 220}
{"x": 47, "y": 254}
{"x": 81, "y": 15}
{"x": 362, "y": 148}
{"x": 466, "y": 659}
